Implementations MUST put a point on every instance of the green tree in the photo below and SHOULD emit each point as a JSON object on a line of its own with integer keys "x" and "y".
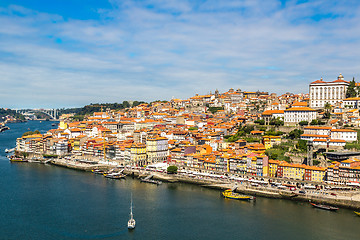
{"x": 351, "y": 91}
{"x": 31, "y": 133}
{"x": 272, "y": 132}
{"x": 172, "y": 169}
{"x": 276, "y": 122}
{"x": 302, "y": 145}
{"x": 215, "y": 109}
{"x": 352, "y": 145}
{"x": 327, "y": 108}
{"x": 314, "y": 122}
{"x": 295, "y": 134}
{"x": 303, "y": 123}
{"x": 262, "y": 128}
{"x": 260, "y": 121}
{"x": 126, "y": 104}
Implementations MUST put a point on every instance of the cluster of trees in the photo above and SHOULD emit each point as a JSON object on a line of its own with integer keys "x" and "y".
{"x": 13, "y": 113}
{"x": 273, "y": 132}
{"x": 260, "y": 121}
{"x": 242, "y": 131}
{"x": 301, "y": 145}
{"x": 278, "y": 152}
{"x": 215, "y": 109}
{"x": 96, "y": 107}
{"x": 274, "y": 122}
{"x": 313, "y": 122}
{"x": 31, "y": 133}
{"x": 295, "y": 134}
{"x": 352, "y": 90}
{"x": 352, "y": 145}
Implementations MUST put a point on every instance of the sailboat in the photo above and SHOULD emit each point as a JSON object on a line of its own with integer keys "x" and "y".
{"x": 131, "y": 222}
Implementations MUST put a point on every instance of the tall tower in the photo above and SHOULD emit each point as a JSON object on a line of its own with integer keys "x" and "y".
{"x": 310, "y": 149}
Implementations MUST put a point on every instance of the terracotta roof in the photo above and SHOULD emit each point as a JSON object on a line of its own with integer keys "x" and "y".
{"x": 271, "y": 112}
{"x": 342, "y": 130}
{"x": 303, "y": 104}
{"x": 340, "y": 80}
{"x": 300, "y": 109}
{"x": 337, "y": 140}
{"x": 314, "y": 135}
{"x": 318, "y": 81}
{"x": 316, "y": 127}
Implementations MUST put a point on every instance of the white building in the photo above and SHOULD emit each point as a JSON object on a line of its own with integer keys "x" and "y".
{"x": 353, "y": 102}
{"x": 317, "y": 130}
{"x": 344, "y": 134}
{"x": 157, "y": 149}
{"x": 326, "y": 135}
{"x": 61, "y": 147}
{"x": 294, "y": 115}
{"x": 330, "y": 143}
{"x": 322, "y": 92}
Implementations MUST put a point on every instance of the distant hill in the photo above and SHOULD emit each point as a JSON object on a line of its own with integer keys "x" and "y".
{"x": 97, "y": 107}
{"x": 4, "y": 113}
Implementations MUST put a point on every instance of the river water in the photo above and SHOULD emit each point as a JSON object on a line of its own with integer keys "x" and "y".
{"x": 47, "y": 202}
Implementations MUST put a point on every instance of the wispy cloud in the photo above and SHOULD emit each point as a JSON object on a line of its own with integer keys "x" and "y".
{"x": 157, "y": 49}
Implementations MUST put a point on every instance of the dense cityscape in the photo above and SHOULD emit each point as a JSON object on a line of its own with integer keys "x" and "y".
{"x": 292, "y": 136}
{"x": 180, "y": 119}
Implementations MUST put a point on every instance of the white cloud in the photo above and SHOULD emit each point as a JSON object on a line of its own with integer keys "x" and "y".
{"x": 159, "y": 49}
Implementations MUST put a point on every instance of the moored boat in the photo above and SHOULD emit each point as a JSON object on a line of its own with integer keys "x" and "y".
{"x": 231, "y": 195}
{"x": 97, "y": 171}
{"x": 131, "y": 222}
{"x": 324, "y": 207}
{"x": 115, "y": 176}
{"x": 151, "y": 181}
{"x": 357, "y": 213}
{"x": 4, "y": 128}
{"x": 288, "y": 195}
{"x": 16, "y": 159}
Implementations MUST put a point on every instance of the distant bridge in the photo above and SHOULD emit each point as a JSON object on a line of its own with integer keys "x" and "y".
{"x": 52, "y": 113}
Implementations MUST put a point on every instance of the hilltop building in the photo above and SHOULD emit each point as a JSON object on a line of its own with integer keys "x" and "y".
{"x": 322, "y": 92}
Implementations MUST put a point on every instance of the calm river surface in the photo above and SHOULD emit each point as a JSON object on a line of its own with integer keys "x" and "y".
{"x": 47, "y": 202}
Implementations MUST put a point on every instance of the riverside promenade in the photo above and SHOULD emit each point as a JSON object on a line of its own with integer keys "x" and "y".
{"x": 341, "y": 198}
{"x": 344, "y": 199}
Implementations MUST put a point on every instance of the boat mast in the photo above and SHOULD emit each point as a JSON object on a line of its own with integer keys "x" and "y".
{"x": 131, "y": 214}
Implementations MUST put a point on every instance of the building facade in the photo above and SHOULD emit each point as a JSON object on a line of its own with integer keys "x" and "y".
{"x": 322, "y": 92}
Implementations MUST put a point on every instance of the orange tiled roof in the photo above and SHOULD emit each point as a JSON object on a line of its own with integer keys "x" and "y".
{"x": 300, "y": 109}
{"x": 271, "y": 112}
{"x": 342, "y": 130}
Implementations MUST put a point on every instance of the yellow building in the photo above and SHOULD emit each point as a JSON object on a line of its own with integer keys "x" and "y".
{"x": 293, "y": 171}
{"x": 63, "y": 125}
{"x": 317, "y": 173}
{"x": 138, "y": 154}
{"x": 270, "y": 141}
{"x": 273, "y": 167}
{"x": 257, "y": 148}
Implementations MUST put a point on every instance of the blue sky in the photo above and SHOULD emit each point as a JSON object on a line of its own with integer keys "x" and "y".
{"x": 71, "y": 53}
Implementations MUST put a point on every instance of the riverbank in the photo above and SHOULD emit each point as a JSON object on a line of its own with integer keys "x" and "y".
{"x": 343, "y": 199}
{"x": 349, "y": 200}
